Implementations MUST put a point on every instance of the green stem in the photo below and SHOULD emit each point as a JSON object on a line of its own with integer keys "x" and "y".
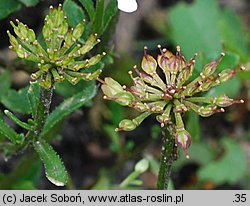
{"x": 168, "y": 155}
{"x": 129, "y": 179}
{"x": 42, "y": 110}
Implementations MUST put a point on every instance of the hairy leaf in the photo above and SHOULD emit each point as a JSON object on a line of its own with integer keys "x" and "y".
{"x": 66, "y": 90}
{"x": 9, "y": 133}
{"x": 54, "y": 168}
{"x": 68, "y": 106}
{"x": 33, "y": 97}
{"x": 17, "y": 101}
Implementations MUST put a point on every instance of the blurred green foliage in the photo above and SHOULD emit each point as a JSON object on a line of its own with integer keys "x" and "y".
{"x": 201, "y": 27}
{"x": 11, "y": 6}
{"x": 230, "y": 168}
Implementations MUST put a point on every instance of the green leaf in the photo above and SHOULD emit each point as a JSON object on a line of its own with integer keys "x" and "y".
{"x": 8, "y": 7}
{"x": 233, "y": 36}
{"x": 99, "y": 16}
{"x": 33, "y": 172}
{"x": 5, "y": 82}
{"x": 33, "y": 96}
{"x": 229, "y": 169}
{"x": 54, "y": 168}
{"x": 131, "y": 179}
{"x": 110, "y": 11}
{"x": 17, "y": 101}
{"x": 17, "y": 121}
{"x": 193, "y": 126}
{"x": 67, "y": 107}
{"x": 230, "y": 61}
{"x": 194, "y": 27}
{"x": 199, "y": 153}
{"x": 89, "y": 7}
{"x": 114, "y": 137}
{"x": 153, "y": 164}
{"x": 29, "y": 2}
{"x": 244, "y": 75}
{"x": 74, "y": 12}
{"x": 66, "y": 90}
{"x": 230, "y": 88}
{"x": 155, "y": 131}
{"x": 103, "y": 182}
{"x": 8, "y": 132}
{"x": 24, "y": 185}
{"x": 117, "y": 112}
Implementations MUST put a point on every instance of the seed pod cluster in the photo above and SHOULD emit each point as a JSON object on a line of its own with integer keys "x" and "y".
{"x": 61, "y": 56}
{"x": 172, "y": 94}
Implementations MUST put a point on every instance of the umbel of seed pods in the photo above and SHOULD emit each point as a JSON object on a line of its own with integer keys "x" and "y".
{"x": 171, "y": 96}
{"x": 61, "y": 57}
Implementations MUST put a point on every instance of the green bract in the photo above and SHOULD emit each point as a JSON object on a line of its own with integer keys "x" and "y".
{"x": 61, "y": 57}
{"x": 168, "y": 98}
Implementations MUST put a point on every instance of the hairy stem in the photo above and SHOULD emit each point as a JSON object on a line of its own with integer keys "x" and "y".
{"x": 168, "y": 155}
{"x": 42, "y": 110}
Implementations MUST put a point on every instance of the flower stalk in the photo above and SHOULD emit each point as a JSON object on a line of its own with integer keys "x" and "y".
{"x": 169, "y": 98}
{"x": 43, "y": 108}
{"x": 60, "y": 57}
{"x": 168, "y": 156}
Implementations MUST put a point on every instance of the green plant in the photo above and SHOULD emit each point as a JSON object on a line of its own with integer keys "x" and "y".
{"x": 169, "y": 99}
{"x": 8, "y": 7}
{"x": 59, "y": 58}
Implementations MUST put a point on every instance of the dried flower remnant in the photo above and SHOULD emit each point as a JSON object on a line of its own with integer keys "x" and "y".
{"x": 172, "y": 96}
{"x": 61, "y": 58}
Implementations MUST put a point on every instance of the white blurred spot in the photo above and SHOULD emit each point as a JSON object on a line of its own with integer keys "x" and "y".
{"x": 127, "y": 5}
